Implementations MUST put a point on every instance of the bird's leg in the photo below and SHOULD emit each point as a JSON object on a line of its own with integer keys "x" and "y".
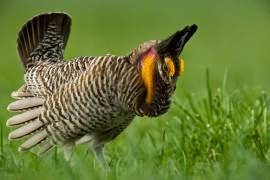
{"x": 100, "y": 139}
{"x": 68, "y": 152}
{"x": 98, "y": 150}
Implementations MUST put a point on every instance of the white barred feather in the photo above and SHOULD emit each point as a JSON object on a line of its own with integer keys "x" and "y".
{"x": 87, "y": 99}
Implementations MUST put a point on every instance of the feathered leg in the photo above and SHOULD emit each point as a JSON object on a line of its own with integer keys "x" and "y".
{"x": 68, "y": 152}
{"x": 98, "y": 150}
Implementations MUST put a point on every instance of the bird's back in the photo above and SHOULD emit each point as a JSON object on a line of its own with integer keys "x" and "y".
{"x": 46, "y": 76}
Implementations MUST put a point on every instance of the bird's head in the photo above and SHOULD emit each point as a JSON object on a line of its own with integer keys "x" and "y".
{"x": 160, "y": 64}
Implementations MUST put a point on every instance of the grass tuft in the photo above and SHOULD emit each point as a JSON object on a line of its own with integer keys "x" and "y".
{"x": 222, "y": 134}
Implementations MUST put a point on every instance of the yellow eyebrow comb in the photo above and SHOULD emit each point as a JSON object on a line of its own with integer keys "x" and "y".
{"x": 182, "y": 66}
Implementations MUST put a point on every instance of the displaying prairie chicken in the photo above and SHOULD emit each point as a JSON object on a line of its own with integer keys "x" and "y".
{"x": 89, "y": 99}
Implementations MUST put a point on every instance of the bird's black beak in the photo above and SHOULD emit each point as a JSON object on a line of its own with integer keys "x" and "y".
{"x": 174, "y": 45}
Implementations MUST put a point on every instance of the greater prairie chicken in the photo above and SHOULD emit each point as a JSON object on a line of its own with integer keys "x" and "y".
{"x": 88, "y": 99}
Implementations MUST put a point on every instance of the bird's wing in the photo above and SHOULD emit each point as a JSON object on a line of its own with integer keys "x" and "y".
{"x": 46, "y": 77}
{"x": 62, "y": 114}
{"x": 48, "y": 116}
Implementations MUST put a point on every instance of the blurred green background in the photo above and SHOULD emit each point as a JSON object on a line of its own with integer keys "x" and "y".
{"x": 233, "y": 37}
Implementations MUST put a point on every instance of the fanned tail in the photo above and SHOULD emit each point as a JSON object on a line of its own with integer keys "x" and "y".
{"x": 44, "y": 37}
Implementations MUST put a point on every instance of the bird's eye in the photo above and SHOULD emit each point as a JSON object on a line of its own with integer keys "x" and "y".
{"x": 165, "y": 67}
{"x": 170, "y": 66}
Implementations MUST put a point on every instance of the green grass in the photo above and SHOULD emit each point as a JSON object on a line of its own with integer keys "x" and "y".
{"x": 218, "y": 135}
{"x": 218, "y": 125}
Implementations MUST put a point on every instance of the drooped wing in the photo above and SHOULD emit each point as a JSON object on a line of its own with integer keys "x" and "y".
{"x": 61, "y": 115}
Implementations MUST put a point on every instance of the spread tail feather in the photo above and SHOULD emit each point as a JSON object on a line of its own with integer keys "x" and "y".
{"x": 43, "y": 37}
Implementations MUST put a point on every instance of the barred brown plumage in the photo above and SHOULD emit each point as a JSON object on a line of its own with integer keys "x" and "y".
{"x": 88, "y": 98}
